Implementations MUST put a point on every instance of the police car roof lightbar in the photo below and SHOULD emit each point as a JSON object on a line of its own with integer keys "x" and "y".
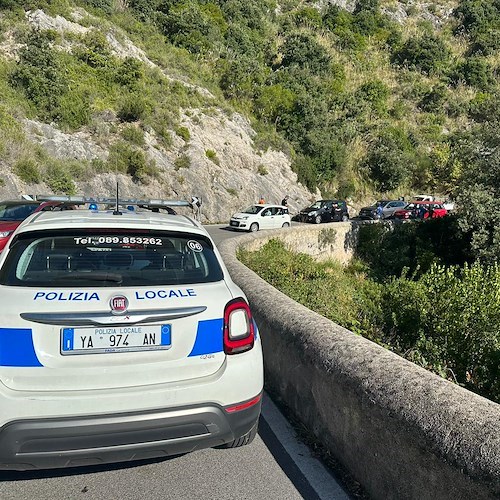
{"x": 83, "y": 200}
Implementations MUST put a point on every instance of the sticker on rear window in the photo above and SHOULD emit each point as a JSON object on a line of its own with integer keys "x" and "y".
{"x": 124, "y": 240}
{"x": 195, "y": 246}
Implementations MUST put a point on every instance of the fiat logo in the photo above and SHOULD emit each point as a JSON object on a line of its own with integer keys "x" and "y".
{"x": 119, "y": 304}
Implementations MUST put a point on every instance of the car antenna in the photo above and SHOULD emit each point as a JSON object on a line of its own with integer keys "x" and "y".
{"x": 117, "y": 209}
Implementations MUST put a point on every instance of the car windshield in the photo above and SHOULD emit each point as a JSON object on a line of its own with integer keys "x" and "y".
{"x": 254, "y": 209}
{"x": 317, "y": 204}
{"x": 16, "y": 211}
{"x": 90, "y": 258}
{"x": 378, "y": 203}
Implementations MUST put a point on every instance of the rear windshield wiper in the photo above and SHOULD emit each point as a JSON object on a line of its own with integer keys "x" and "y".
{"x": 91, "y": 276}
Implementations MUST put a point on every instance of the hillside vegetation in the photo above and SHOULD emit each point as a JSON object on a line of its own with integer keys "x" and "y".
{"x": 405, "y": 292}
{"x": 390, "y": 97}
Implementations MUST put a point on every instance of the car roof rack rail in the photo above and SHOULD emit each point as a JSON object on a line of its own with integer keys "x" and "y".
{"x": 146, "y": 203}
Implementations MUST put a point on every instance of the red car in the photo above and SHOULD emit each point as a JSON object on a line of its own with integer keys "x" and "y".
{"x": 13, "y": 212}
{"x": 421, "y": 210}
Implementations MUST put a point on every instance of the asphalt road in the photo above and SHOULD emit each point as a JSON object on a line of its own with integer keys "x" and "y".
{"x": 275, "y": 466}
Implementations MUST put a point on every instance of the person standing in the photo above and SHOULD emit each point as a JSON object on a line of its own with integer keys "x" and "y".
{"x": 284, "y": 201}
{"x": 261, "y": 200}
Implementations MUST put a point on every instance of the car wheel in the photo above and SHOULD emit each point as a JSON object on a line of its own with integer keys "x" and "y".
{"x": 243, "y": 440}
{"x": 345, "y": 218}
{"x": 286, "y": 224}
{"x": 317, "y": 219}
{"x": 254, "y": 227}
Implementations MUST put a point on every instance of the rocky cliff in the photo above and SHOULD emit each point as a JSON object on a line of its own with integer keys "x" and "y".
{"x": 222, "y": 165}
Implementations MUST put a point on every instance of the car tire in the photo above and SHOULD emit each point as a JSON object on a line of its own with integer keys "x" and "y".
{"x": 243, "y": 440}
{"x": 345, "y": 218}
{"x": 317, "y": 219}
{"x": 254, "y": 227}
{"x": 286, "y": 224}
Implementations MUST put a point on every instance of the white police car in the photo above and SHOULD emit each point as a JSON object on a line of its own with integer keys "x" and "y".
{"x": 261, "y": 216}
{"x": 122, "y": 337}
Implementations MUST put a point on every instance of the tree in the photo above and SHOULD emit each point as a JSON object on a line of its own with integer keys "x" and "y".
{"x": 372, "y": 6}
{"x": 274, "y": 101}
{"x": 428, "y": 54}
{"x": 302, "y": 49}
{"x": 478, "y": 192}
{"x": 40, "y": 76}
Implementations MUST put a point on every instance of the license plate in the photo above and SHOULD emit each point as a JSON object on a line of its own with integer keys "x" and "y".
{"x": 115, "y": 339}
{"x": 234, "y": 223}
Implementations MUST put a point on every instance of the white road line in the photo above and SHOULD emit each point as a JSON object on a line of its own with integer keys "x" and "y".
{"x": 319, "y": 478}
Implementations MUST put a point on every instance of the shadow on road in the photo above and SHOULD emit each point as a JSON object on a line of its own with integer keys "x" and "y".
{"x": 286, "y": 463}
{"x": 78, "y": 471}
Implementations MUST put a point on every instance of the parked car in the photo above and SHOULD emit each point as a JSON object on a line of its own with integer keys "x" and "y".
{"x": 123, "y": 337}
{"x": 258, "y": 216}
{"x": 449, "y": 205}
{"x": 388, "y": 207}
{"x": 430, "y": 209}
{"x": 324, "y": 211}
{"x": 13, "y": 212}
{"x": 423, "y": 197}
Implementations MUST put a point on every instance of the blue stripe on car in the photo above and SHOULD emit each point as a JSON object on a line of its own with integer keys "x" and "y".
{"x": 16, "y": 347}
{"x": 208, "y": 337}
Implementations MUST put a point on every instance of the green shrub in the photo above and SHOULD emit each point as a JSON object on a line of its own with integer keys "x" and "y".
{"x": 104, "y": 5}
{"x": 129, "y": 73}
{"x": 449, "y": 321}
{"x": 389, "y": 158}
{"x": 182, "y": 161}
{"x": 389, "y": 249}
{"x": 344, "y": 297}
{"x": 96, "y": 52}
{"x": 40, "y": 76}
{"x": 212, "y": 156}
{"x": 302, "y": 49}
{"x": 134, "y": 135}
{"x": 75, "y": 110}
{"x": 428, "y": 54}
{"x": 273, "y": 102}
{"x": 192, "y": 27}
{"x": 446, "y": 320}
{"x": 59, "y": 179}
{"x": 374, "y": 92}
{"x": 183, "y": 133}
{"x": 306, "y": 172}
{"x": 480, "y": 20}
{"x": 125, "y": 159}
{"x": 28, "y": 171}
{"x": 474, "y": 71}
{"x": 133, "y": 108}
{"x": 262, "y": 170}
{"x": 434, "y": 99}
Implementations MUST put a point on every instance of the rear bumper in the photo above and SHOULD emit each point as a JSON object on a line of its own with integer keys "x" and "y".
{"x": 91, "y": 440}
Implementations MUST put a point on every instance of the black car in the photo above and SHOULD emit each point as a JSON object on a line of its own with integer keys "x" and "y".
{"x": 324, "y": 211}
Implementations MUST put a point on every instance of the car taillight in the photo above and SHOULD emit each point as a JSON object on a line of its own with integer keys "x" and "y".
{"x": 239, "y": 334}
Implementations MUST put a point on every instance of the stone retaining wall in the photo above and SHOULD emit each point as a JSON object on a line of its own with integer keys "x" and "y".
{"x": 403, "y": 432}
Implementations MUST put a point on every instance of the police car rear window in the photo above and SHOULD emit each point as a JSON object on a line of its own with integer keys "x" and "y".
{"x": 109, "y": 259}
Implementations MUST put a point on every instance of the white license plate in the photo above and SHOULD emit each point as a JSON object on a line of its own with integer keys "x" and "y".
{"x": 115, "y": 339}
